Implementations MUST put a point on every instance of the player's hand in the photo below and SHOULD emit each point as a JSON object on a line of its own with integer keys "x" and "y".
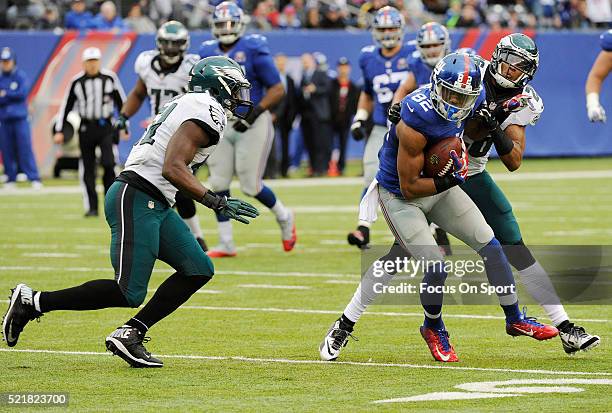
{"x": 122, "y": 125}
{"x": 358, "y": 130}
{"x": 460, "y": 166}
{"x": 394, "y": 115}
{"x": 516, "y": 103}
{"x": 487, "y": 117}
{"x": 596, "y": 113}
{"x": 58, "y": 138}
{"x": 233, "y": 208}
{"x": 241, "y": 125}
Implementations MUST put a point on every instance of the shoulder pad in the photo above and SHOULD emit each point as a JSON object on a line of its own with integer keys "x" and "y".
{"x": 143, "y": 61}
{"x": 409, "y": 46}
{"x": 606, "y": 41}
{"x": 207, "y": 47}
{"x": 257, "y": 42}
{"x": 366, "y": 53}
{"x": 191, "y": 59}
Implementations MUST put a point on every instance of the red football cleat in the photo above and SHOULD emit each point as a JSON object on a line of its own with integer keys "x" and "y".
{"x": 288, "y": 232}
{"x": 439, "y": 345}
{"x": 222, "y": 251}
{"x": 528, "y": 326}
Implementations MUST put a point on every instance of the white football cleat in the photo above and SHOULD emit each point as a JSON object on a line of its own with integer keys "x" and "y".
{"x": 574, "y": 338}
{"x": 335, "y": 339}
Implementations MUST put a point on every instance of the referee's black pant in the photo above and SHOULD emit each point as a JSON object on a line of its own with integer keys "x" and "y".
{"x": 92, "y": 134}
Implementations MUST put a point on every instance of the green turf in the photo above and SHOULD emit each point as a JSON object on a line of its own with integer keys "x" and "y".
{"x": 34, "y": 227}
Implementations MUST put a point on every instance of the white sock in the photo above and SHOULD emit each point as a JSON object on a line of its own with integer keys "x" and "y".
{"x": 225, "y": 232}
{"x": 37, "y": 302}
{"x": 536, "y": 281}
{"x": 281, "y": 212}
{"x": 365, "y": 294}
{"x": 194, "y": 225}
{"x": 364, "y": 223}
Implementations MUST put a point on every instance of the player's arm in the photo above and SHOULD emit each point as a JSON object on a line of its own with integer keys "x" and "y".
{"x": 405, "y": 88}
{"x": 600, "y": 70}
{"x": 20, "y": 92}
{"x": 513, "y": 159}
{"x": 130, "y": 106}
{"x": 365, "y": 105}
{"x": 410, "y": 161}
{"x": 62, "y": 116}
{"x": 273, "y": 96}
{"x": 180, "y": 152}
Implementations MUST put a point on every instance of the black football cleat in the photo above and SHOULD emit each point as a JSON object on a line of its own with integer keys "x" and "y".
{"x": 360, "y": 237}
{"x": 126, "y": 342}
{"x": 20, "y": 312}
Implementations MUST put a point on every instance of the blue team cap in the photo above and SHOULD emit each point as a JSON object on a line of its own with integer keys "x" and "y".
{"x": 7, "y": 54}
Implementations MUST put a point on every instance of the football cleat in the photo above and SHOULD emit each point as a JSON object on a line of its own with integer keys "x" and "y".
{"x": 335, "y": 339}
{"x": 360, "y": 237}
{"x": 202, "y": 244}
{"x": 126, "y": 342}
{"x": 20, "y": 312}
{"x": 574, "y": 338}
{"x": 222, "y": 250}
{"x": 288, "y": 231}
{"x": 439, "y": 344}
{"x": 528, "y": 326}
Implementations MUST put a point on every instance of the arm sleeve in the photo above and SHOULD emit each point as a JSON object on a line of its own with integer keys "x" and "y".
{"x": 118, "y": 92}
{"x": 69, "y": 100}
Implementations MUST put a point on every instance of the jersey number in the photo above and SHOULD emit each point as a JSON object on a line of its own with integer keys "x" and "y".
{"x": 159, "y": 119}
{"x": 422, "y": 100}
{"x": 157, "y": 93}
{"x": 480, "y": 148}
{"x": 383, "y": 84}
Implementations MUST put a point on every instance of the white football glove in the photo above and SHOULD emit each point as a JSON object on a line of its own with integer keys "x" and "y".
{"x": 595, "y": 111}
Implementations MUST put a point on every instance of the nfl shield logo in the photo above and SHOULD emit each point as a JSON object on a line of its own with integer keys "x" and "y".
{"x": 151, "y": 204}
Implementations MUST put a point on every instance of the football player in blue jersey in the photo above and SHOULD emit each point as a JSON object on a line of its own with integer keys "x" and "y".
{"x": 600, "y": 70}
{"x": 433, "y": 43}
{"x": 384, "y": 66}
{"x": 246, "y": 146}
{"x": 408, "y": 199}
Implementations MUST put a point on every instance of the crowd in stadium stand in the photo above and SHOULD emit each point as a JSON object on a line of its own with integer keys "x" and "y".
{"x": 145, "y": 15}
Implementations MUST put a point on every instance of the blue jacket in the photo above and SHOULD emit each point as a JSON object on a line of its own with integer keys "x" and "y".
{"x": 78, "y": 21}
{"x": 99, "y": 23}
{"x": 14, "y": 88}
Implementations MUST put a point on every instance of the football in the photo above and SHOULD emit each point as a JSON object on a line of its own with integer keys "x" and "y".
{"x": 438, "y": 161}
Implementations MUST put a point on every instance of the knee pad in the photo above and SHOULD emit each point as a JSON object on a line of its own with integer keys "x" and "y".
{"x": 219, "y": 183}
{"x": 519, "y": 255}
{"x": 250, "y": 184}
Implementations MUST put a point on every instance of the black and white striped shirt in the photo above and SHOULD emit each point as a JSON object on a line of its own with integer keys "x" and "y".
{"x": 93, "y": 97}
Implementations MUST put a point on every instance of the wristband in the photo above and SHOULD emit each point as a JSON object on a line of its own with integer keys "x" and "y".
{"x": 213, "y": 201}
{"x": 592, "y": 99}
{"x": 503, "y": 144}
{"x": 445, "y": 182}
{"x": 123, "y": 115}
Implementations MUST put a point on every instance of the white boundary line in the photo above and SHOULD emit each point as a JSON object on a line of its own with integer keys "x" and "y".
{"x": 319, "y": 362}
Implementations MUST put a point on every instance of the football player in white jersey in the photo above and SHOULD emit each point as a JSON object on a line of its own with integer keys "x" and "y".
{"x": 163, "y": 74}
{"x": 143, "y": 225}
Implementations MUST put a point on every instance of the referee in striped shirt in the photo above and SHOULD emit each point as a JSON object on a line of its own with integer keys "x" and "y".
{"x": 95, "y": 94}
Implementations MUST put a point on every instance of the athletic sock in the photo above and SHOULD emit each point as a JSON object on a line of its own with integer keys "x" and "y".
{"x": 222, "y": 218}
{"x": 226, "y": 235}
{"x": 499, "y": 274}
{"x": 281, "y": 212}
{"x": 173, "y": 292}
{"x": 538, "y": 284}
{"x": 194, "y": 226}
{"x": 266, "y": 197}
{"x": 93, "y": 295}
{"x": 435, "y": 276}
{"x": 346, "y": 324}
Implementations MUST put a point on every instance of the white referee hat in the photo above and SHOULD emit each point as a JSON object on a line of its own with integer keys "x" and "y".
{"x": 92, "y": 53}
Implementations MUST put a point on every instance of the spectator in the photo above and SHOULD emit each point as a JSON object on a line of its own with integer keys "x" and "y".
{"x": 50, "y": 19}
{"x": 266, "y": 15}
{"x": 315, "y": 109}
{"x": 313, "y": 19}
{"x": 289, "y": 19}
{"x": 368, "y": 10}
{"x": 469, "y": 17}
{"x": 78, "y": 18}
{"x": 344, "y": 96}
{"x": 137, "y": 22}
{"x": 332, "y": 18}
{"x": 285, "y": 112}
{"x": 107, "y": 19}
{"x": 14, "y": 125}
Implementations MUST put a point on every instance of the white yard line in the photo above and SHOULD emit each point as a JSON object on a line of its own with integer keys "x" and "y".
{"x": 317, "y": 362}
{"x": 50, "y": 255}
{"x": 318, "y": 182}
{"x": 275, "y": 286}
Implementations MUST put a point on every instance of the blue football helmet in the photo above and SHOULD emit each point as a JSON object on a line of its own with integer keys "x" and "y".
{"x": 456, "y": 83}
{"x": 388, "y": 27}
{"x": 467, "y": 50}
{"x": 433, "y": 42}
{"x": 228, "y": 22}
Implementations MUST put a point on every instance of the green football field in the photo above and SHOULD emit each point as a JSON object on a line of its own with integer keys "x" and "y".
{"x": 249, "y": 340}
